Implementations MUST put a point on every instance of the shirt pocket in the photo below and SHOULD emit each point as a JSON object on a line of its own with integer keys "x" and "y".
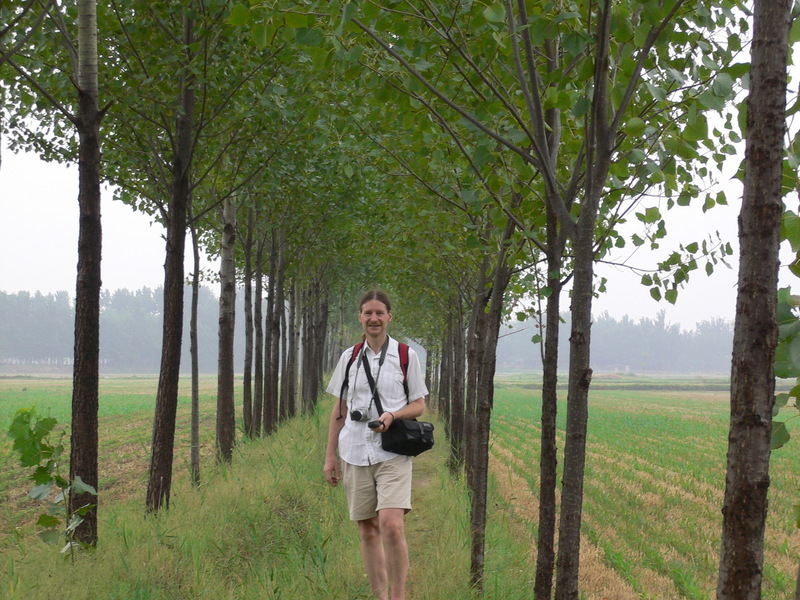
{"x": 394, "y": 384}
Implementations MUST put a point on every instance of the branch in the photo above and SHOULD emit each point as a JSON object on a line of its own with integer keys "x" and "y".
{"x": 5, "y": 56}
{"x": 652, "y": 36}
{"x": 58, "y": 20}
{"x": 533, "y": 100}
{"x": 527, "y": 156}
{"x": 35, "y": 84}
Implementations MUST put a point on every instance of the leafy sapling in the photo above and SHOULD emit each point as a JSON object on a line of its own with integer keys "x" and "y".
{"x": 32, "y": 433}
{"x": 786, "y": 366}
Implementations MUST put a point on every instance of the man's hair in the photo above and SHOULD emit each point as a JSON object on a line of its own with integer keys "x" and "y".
{"x": 378, "y": 295}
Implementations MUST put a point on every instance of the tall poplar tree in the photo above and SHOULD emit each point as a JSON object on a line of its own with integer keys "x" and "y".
{"x": 50, "y": 21}
{"x": 755, "y": 334}
{"x": 85, "y": 379}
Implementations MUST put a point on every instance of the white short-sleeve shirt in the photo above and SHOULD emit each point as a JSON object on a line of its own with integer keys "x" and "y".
{"x": 358, "y": 444}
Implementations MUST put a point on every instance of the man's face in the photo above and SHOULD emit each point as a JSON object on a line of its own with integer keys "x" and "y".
{"x": 374, "y": 318}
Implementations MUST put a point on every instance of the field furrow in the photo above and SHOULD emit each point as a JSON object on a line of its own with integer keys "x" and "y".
{"x": 655, "y": 475}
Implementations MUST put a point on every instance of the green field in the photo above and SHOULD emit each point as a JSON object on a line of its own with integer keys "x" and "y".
{"x": 655, "y": 478}
{"x": 267, "y": 527}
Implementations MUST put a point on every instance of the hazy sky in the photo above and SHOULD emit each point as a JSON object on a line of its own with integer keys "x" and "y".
{"x": 39, "y": 232}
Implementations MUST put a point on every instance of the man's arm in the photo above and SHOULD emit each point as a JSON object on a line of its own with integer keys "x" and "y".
{"x": 331, "y": 466}
{"x": 412, "y": 410}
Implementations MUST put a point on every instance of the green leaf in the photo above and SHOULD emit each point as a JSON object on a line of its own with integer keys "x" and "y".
{"x": 581, "y": 107}
{"x": 309, "y": 37}
{"x": 74, "y": 522}
{"x": 349, "y": 12}
{"x": 48, "y": 521}
{"x": 81, "y": 487}
{"x": 655, "y": 293}
{"x": 296, "y": 20}
{"x": 671, "y": 295}
{"x": 258, "y": 33}
{"x": 50, "y": 536}
{"x": 696, "y": 131}
{"x": 495, "y": 13}
{"x": 240, "y": 15}
{"x": 786, "y": 363}
{"x": 790, "y": 229}
{"x": 651, "y": 215}
{"x": 84, "y": 510}
{"x": 634, "y": 126}
{"x": 482, "y": 156}
{"x": 780, "y": 435}
{"x": 40, "y": 492}
{"x": 794, "y": 32}
{"x": 723, "y": 85}
{"x": 42, "y": 475}
{"x": 574, "y": 43}
{"x": 780, "y": 402}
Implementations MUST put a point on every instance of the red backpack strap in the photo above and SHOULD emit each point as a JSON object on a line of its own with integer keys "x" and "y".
{"x": 403, "y": 348}
{"x": 356, "y": 350}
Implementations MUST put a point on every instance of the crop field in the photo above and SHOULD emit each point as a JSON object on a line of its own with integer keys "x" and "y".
{"x": 655, "y": 478}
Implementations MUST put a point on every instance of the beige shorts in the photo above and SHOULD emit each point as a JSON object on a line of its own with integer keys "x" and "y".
{"x": 375, "y": 487}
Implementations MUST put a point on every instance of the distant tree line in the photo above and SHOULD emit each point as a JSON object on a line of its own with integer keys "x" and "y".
{"x": 646, "y": 345}
{"x": 38, "y": 329}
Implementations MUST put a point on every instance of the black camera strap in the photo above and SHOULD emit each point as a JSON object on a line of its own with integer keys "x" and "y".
{"x": 373, "y": 384}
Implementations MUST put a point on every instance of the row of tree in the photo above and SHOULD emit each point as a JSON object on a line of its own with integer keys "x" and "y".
{"x": 37, "y": 330}
{"x": 470, "y": 156}
{"x": 646, "y": 345}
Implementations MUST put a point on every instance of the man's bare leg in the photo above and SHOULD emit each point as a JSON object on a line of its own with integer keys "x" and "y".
{"x": 392, "y": 530}
{"x": 372, "y": 552}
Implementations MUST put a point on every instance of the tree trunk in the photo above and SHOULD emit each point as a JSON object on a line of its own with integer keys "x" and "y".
{"x": 458, "y": 371}
{"x": 290, "y": 377}
{"x": 194, "y": 466}
{"x": 320, "y": 332}
{"x": 270, "y": 401}
{"x": 85, "y": 376}
{"x": 548, "y": 479}
{"x": 275, "y": 326}
{"x": 306, "y": 358}
{"x": 755, "y": 334}
{"x": 258, "y": 359}
{"x": 598, "y": 159}
{"x": 159, "y": 484}
{"x": 580, "y": 376}
{"x": 444, "y": 394}
{"x": 475, "y": 349}
{"x": 226, "y": 415}
{"x": 247, "y": 384}
{"x": 486, "y": 335}
{"x": 279, "y": 342}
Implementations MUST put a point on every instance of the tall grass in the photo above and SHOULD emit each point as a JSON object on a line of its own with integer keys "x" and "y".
{"x": 267, "y": 527}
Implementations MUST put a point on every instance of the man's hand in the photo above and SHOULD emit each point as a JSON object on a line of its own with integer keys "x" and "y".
{"x": 385, "y": 420}
{"x": 331, "y": 470}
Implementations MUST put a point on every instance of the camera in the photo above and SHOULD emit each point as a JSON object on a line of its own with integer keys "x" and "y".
{"x": 359, "y": 415}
